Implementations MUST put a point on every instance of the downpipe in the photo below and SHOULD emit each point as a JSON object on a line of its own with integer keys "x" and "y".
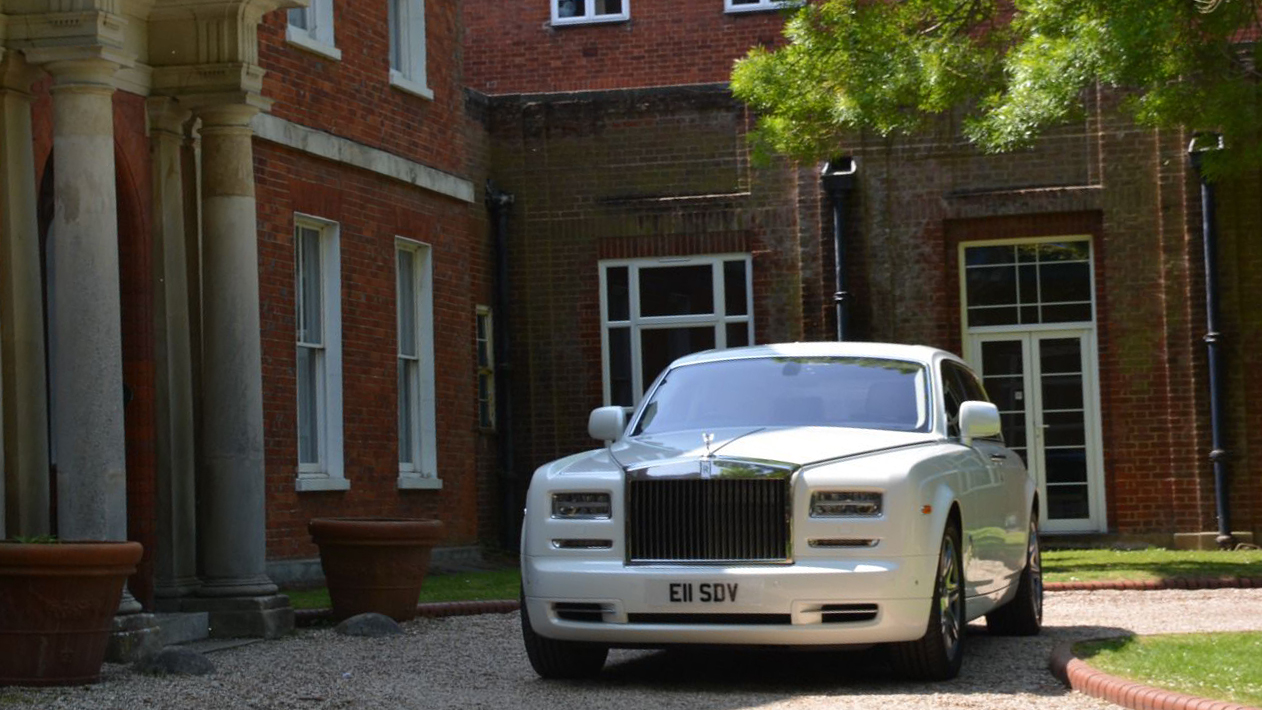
{"x": 499, "y": 204}
{"x": 839, "y": 177}
{"x": 1218, "y": 455}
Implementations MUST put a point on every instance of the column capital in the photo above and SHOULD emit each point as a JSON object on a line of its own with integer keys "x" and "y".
{"x": 166, "y": 115}
{"x": 82, "y": 65}
{"x": 16, "y": 74}
{"x": 235, "y": 114}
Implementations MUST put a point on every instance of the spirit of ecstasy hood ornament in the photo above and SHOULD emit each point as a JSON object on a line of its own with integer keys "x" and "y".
{"x": 707, "y": 439}
{"x": 707, "y": 464}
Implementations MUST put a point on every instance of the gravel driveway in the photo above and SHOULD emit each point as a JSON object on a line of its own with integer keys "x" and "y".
{"x": 479, "y": 662}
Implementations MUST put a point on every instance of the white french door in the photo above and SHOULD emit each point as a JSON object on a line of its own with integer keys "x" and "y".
{"x": 1045, "y": 385}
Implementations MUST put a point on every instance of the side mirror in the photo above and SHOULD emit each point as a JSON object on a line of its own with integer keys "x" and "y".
{"x": 607, "y": 423}
{"x": 978, "y": 420}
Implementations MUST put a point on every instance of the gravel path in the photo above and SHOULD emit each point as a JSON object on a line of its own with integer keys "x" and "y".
{"x": 479, "y": 662}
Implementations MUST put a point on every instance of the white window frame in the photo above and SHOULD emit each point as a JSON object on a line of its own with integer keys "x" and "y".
{"x": 485, "y": 319}
{"x": 327, "y": 474}
{"x": 410, "y": 76}
{"x": 317, "y": 36}
{"x": 587, "y": 18}
{"x": 637, "y": 323}
{"x": 423, "y": 473}
{"x": 756, "y": 6}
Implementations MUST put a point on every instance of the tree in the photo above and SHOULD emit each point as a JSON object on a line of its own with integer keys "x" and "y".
{"x": 1014, "y": 67}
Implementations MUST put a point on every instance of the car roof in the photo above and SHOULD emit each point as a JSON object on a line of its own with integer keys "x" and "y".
{"x": 891, "y": 351}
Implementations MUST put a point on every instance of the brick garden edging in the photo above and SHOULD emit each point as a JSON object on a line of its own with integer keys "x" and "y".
{"x": 1080, "y": 676}
{"x": 1153, "y": 584}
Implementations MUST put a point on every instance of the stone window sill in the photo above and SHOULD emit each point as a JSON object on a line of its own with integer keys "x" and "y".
{"x": 417, "y": 482}
{"x": 299, "y": 38}
{"x": 407, "y": 86}
{"x": 322, "y": 483}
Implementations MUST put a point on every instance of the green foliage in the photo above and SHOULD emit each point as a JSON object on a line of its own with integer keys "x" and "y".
{"x": 1014, "y": 68}
{"x": 1151, "y": 564}
{"x": 1218, "y": 666}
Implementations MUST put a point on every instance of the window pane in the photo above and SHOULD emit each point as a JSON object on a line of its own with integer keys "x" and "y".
{"x": 407, "y": 303}
{"x": 1065, "y": 282}
{"x": 1064, "y": 251}
{"x": 676, "y": 290}
{"x": 310, "y": 287}
{"x": 1067, "y": 466}
{"x": 298, "y": 18}
{"x": 1064, "y": 429}
{"x": 396, "y": 37}
{"x": 484, "y": 351}
{"x": 737, "y": 335}
{"x": 660, "y": 346}
{"x": 1060, "y": 355}
{"x": 620, "y": 367}
{"x": 617, "y": 294}
{"x": 1067, "y": 314}
{"x": 992, "y": 316}
{"x": 570, "y": 8}
{"x": 1001, "y": 358}
{"x": 308, "y": 416}
{"x": 484, "y": 400}
{"x": 608, "y": 7}
{"x": 992, "y": 286}
{"x": 407, "y": 424}
{"x": 1062, "y": 392}
{"x": 978, "y": 256}
{"x": 736, "y": 301}
{"x": 1067, "y": 502}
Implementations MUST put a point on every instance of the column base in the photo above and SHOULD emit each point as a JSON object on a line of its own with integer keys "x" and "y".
{"x": 266, "y": 617}
{"x": 134, "y": 636}
{"x": 260, "y": 586}
{"x": 1207, "y": 540}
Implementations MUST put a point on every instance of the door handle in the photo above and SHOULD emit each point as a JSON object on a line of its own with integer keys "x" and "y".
{"x": 998, "y": 457}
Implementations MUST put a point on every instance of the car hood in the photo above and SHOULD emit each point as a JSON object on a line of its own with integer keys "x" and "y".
{"x": 797, "y": 446}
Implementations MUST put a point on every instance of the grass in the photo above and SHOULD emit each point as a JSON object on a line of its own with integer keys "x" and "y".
{"x": 1151, "y": 564}
{"x": 467, "y": 586}
{"x": 1224, "y": 666}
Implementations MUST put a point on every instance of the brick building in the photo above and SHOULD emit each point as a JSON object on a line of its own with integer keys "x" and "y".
{"x": 244, "y": 271}
{"x": 1071, "y": 275}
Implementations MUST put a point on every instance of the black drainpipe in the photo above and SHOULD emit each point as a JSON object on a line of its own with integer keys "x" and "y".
{"x": 1209, "y": 232}
{"x": 838, "y": 178}
{"x": 500, "y": 204}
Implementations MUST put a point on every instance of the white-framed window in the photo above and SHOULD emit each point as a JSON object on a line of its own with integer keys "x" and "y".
{"x": 754, "y": 5}
{"x": 318, "y": 368}
{"x": 655, "y": 310}
{"x": 576, "y": 12}
{"x": 312, "y": 29}
{"x": 408, "y": 47}
{"x": 418, "y": 453}
{"x": 486, "y": 368}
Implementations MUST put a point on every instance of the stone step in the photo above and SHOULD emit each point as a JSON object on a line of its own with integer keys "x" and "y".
{"x": 184, "y": 627}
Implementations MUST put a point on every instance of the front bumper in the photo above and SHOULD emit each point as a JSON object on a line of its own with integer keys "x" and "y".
{"x": 803, "y": 604}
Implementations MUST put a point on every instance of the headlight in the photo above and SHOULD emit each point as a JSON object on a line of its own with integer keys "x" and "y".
{"x": 581, "y": 506}
{"x": 845, "y": 504}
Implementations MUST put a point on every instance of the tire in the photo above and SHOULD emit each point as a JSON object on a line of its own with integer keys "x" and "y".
{"x": 555, "y": 659}
{"x": 938, "y": 654}
{"x": 1023, "y": 615}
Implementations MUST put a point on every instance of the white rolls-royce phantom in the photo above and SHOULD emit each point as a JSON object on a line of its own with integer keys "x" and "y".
{"x": 810, "y": 494}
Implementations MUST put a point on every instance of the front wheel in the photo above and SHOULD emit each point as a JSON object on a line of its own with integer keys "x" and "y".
{"x": 552, "y": 658}
{"x": 1023, "y": 616}
{"x": 937, "y": 655}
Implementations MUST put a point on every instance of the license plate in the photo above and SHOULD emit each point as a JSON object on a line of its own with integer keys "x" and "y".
{"x": 678, "y": 593}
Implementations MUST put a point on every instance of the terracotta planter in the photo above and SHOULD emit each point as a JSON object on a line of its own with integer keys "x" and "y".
{"x": 59, "y": 600}
{"x": 375, "y": 564}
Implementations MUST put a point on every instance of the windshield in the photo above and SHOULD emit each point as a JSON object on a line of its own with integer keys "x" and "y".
{"x": 868, "y": 393}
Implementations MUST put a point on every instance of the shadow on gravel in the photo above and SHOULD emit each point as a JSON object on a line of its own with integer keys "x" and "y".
{"x": 992, "y": 665}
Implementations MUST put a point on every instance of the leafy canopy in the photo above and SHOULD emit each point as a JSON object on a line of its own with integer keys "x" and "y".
{"x": 1015, "y": 67}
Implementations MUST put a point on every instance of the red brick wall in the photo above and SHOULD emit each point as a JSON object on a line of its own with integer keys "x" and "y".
{"x": 512, "y": 48}
{"x": 371, "y": 211}
{"x": 352, "y": 97}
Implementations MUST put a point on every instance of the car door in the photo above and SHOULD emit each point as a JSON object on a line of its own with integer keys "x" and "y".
{"x": 980, "y": 495}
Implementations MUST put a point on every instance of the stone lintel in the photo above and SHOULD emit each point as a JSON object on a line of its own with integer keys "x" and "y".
{"x": 30, "y": 24}
{"x": 232, "y": 82}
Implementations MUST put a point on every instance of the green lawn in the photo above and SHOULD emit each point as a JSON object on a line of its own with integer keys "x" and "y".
{"x": 1217, "y": 666}
{"x": 469, "y": 586}
{"x": 1153, "y": 564}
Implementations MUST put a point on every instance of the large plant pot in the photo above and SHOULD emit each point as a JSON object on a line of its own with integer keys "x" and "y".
{"x": 375, "y": 564}
{"x": 58, "y": 601}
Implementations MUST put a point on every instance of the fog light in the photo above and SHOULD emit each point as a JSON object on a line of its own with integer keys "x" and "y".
{"x": 845, "y": 504}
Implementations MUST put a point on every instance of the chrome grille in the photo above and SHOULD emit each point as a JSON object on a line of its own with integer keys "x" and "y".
{"x": 708, "y": 520}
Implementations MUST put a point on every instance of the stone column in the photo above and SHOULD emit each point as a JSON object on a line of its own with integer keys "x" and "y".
{"x": 175, "y": 555}
{"x": 86, "y": 335}
{"x": 24, "y": 497}
{"x": 232, "y": 533}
